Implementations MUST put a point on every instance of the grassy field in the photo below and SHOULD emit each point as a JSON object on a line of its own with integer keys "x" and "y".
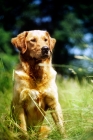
{"x": 76, "y": 100}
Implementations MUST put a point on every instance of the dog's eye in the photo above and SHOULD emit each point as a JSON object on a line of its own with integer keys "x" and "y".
{"x": 45, "y": 39}
{"x": 33, "y": 40}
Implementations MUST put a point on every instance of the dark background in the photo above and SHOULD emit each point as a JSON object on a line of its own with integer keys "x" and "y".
{"x": 71, "y": 24}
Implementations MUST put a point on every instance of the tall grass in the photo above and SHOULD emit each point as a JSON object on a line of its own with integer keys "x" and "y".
{"x": 76, "y": 100}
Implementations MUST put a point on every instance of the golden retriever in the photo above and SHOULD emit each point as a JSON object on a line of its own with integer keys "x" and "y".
{"x": 35, "y": 89}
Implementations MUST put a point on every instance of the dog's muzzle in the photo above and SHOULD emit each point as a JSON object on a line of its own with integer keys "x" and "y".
{"x": 45, "y": 51}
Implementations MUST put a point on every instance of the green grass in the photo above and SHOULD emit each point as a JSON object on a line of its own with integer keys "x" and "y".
{"x": 76, "y": 100}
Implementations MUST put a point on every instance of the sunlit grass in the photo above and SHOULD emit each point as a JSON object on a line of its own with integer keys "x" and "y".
{"x": 76, "y": 100}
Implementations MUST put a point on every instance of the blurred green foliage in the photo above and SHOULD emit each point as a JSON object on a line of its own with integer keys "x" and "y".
{"x": 67, "y": 22}
{"x": 4, "y": 41}
{"x": 7, "y": 63}
{"x": 7, "y": 60}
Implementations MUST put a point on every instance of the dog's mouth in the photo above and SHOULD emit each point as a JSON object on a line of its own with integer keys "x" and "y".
{"x": 45, "y": 56}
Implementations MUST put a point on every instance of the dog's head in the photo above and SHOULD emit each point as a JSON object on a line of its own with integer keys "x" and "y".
{"x": 38, "y": 44}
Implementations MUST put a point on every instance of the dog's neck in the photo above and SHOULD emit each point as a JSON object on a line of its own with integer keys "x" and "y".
{"x": 36, "y": 69}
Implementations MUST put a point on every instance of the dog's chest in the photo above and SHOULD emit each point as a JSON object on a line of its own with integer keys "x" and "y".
{"x": 34, "y": 107}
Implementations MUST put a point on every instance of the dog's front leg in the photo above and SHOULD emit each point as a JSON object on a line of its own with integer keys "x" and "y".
{"x": 56, "y": 113}
{"x": 22, "y": 120}
{"x": 22, "y": 105}
{"x": 19, "y": 116}
{"x": 58, "y": 117}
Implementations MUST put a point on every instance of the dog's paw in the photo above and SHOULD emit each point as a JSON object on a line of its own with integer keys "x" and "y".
{"x": 27, "y": 94}
{"x": 24, "y": 95}
{"x": 44, "y": 132}
{"x": 34, "y": 94}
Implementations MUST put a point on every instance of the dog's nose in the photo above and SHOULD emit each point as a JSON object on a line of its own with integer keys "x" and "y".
{"x": 45, "y": 50}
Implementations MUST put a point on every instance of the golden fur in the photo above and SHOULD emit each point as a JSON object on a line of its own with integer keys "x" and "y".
{"x": 34, "y": 80}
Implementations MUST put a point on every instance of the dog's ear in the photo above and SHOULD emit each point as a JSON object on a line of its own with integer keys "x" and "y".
{"x": 19, "y": 42}
{"x": 52, "y": 42}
